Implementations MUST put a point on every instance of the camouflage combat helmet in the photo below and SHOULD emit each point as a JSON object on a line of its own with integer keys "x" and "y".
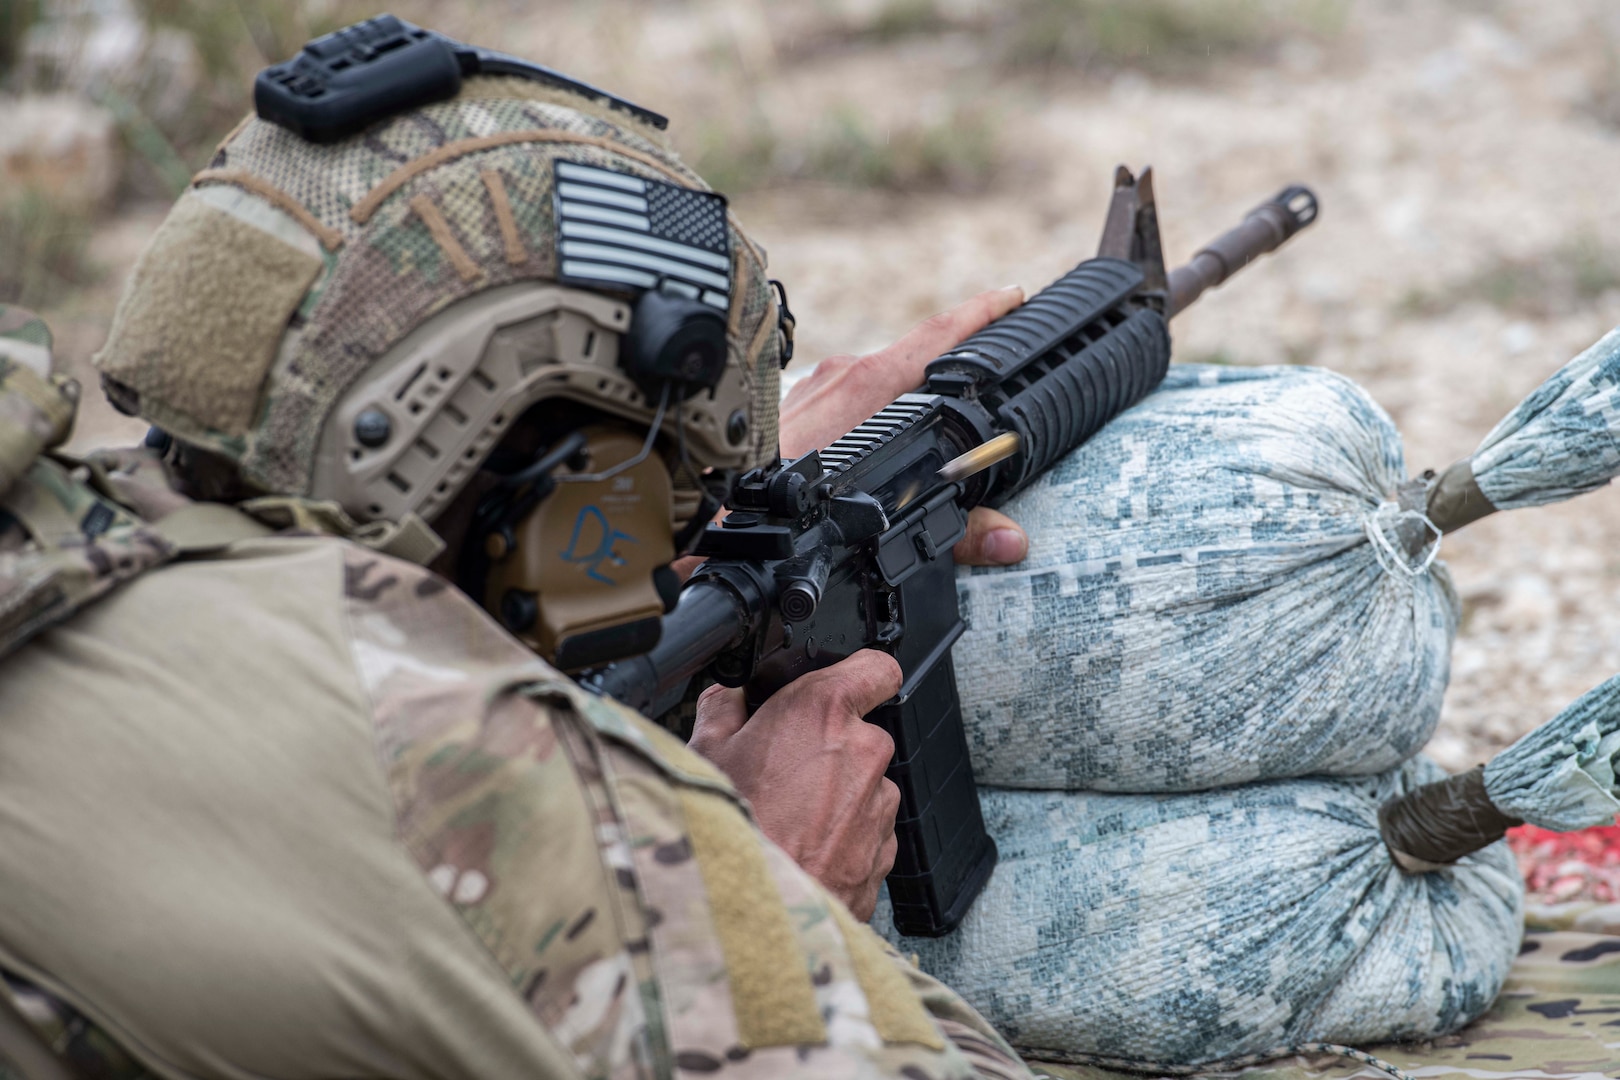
{"x": 362, "y": 320}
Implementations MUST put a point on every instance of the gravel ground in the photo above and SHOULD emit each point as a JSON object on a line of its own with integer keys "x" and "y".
{"x": 1464, "y": 155}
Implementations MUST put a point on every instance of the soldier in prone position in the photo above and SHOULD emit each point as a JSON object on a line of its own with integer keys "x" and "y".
{"x": 280, "y": 800}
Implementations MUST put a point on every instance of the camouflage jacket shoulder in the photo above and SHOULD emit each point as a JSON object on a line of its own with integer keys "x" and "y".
{"x": 684, "y": 942}
{"x": 25, "y": 339}
{"x": 63, "y": 541}
{"x": 620, "y": 901}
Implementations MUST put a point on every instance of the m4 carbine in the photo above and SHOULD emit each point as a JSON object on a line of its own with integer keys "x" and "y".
{"x": 849, "y": 547}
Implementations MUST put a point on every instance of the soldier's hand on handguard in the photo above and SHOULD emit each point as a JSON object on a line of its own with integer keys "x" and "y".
{"x": 813, "y": 770}
{"x": 844, "y": 390}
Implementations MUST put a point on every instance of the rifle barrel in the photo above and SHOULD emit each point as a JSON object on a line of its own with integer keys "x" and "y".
{"x": 1264, "y": 229}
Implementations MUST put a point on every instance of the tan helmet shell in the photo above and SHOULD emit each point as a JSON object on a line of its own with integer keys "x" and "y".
{"x": 448, "y": 391}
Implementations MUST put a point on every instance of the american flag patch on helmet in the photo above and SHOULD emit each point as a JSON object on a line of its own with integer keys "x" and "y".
{"x": 619, "y": 230}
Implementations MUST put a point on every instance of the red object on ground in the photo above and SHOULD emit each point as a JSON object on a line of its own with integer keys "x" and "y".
{"x": 1560, "y": 867}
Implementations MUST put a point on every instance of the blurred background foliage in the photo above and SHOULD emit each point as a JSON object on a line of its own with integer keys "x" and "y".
{"x": 159, "y": 81}
{"x": 16, "y": 16}
{"x": 1167, "y": 37}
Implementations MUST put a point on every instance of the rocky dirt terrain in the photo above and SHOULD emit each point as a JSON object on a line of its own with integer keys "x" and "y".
{"x": 895, "y": 157}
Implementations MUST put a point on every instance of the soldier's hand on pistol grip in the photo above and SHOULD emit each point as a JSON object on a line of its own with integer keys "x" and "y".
{"x": 813, "y": 770}
{"x": 845, "y": 390}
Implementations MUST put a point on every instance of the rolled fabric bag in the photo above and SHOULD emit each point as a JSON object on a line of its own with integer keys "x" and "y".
{"x": 1561, "y": 776}
{"x": 1164, "y": 932}
{"x": 1561, "y": 441}
{"x": 1230, "y": 582}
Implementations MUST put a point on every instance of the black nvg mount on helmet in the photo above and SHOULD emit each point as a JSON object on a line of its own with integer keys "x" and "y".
{"x": 349, "y": 79}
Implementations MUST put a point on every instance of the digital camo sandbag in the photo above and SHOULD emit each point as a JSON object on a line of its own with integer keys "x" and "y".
{"x": 1562, "y": 775}
{"x": 1216, "y": 592}
{"x": 1562, "y": 440}
{"x": 1193, "y": 929}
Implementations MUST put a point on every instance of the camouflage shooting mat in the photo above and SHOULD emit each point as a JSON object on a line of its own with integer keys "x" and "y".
{"x": 1557, "y": 1018}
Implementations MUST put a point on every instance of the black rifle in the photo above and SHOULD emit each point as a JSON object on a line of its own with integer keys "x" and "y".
{"x": 848, "y": 548}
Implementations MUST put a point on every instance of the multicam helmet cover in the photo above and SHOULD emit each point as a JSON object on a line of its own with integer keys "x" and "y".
{"x": 290, "y": 269}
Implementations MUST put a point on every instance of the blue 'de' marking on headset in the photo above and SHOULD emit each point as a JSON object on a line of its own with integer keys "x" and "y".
{"x": 603, "y": 552}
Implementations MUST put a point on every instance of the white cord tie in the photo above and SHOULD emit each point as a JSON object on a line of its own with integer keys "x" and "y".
{"x": 1384, "y": 527}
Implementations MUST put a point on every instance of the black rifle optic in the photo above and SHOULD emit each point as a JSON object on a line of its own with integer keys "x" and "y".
{"x": 849, "y": 547}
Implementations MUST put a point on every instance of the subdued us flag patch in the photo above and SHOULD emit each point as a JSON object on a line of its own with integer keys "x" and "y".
{"x": 618, "y": 230}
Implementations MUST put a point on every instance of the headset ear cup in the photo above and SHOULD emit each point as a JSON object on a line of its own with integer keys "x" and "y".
{"x": 677, "y": 340}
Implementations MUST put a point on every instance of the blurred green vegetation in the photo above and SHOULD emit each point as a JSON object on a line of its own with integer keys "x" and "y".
{"x": 1161, "y": 37}
{"x": 42, "y": 250}
{"x": 1603, "y": 99}
{"x": 1568, "y": 278}
{"x": 234, "y": 39}
{"x": 920, "y": 146}
{"x": 906, "y": 18}
{"x": 958, "y": 151}
{"x": 16, "y": 16}
{"x": 961, "y": 150}
{"x": 736, "y": 156}
{"x": 44, "y": 240}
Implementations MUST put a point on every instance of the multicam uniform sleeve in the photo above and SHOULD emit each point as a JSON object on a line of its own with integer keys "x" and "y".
{"x": 617, "y": 878}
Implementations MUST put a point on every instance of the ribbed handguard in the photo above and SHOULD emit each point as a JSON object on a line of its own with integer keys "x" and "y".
{"x": 1057, "y": 369}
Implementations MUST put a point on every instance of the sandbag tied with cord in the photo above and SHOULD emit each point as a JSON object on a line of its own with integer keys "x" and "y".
{"x": 1164, "y": 933}
{"x": 1561, "y": 441}
{"x": 1232, "y": 581}
{"x": 1561, "y": 776}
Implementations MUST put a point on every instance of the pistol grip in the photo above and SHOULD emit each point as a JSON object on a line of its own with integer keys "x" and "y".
{"x": 909, "y": 609}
